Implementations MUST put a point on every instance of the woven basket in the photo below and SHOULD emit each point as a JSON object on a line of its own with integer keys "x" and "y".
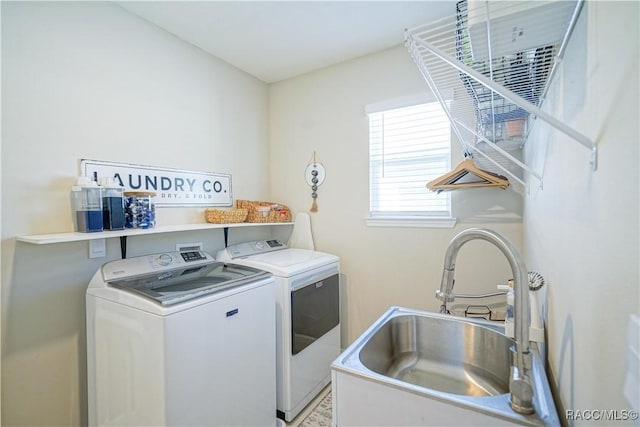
{"x": 219, "y": 216}
{"x": 256, "y": 213}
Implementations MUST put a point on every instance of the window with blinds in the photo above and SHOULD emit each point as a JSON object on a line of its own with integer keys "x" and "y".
{"x": 408, "y": 147}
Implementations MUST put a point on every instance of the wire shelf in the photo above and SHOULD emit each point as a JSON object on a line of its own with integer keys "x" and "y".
{"x": 498, "y": 59}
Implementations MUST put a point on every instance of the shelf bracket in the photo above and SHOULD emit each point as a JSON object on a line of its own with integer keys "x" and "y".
{"x": 594, "y": 158}
{"x": 123, "y": 247}
{"x": 226, "y": 236}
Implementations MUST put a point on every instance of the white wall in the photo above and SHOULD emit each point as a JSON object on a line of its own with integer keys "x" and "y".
{"x": 324, "y": 111}
{"x": 90, "y": 80}
{"x": 581, "y": 229}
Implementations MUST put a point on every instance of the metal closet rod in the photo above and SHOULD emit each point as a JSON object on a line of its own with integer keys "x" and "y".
{"x": 512, "y": 97}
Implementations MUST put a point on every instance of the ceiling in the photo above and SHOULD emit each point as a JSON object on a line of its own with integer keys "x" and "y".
{"x": 277, "y": 40}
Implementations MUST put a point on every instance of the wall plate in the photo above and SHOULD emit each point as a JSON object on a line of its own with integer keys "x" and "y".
{"x": 97, "y": 248}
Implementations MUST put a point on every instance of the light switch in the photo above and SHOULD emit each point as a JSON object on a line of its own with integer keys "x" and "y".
{"x": 97, "y": 248}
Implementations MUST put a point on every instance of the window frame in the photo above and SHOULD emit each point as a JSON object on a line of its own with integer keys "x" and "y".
{"x": 437, "y": 219}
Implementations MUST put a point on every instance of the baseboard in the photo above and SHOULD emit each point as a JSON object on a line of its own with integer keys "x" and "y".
{"x": 555, "y": 393}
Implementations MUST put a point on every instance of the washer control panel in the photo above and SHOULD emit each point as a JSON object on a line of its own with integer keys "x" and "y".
{"x": 152, "y": 264}
{"x": 193, "y": 256}
{"x": 241, "y": 250}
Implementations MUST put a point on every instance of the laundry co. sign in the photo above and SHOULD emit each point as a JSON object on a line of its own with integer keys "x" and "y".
{"x": 173, "y": 187}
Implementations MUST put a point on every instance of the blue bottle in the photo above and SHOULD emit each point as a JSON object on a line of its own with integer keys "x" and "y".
{"x": 112, "y": 204}
{"x": 86, "y": 199}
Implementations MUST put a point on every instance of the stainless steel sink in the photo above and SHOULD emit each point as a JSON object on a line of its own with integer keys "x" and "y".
{"x": 418, "y": 368}
{"x": 450, "y": 356}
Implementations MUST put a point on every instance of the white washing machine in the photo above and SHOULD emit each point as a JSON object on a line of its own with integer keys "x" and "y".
{"x": 179, "y": 339}
{"x": 307, "y": 316}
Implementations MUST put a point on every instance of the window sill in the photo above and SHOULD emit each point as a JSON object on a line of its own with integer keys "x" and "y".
{"x": 411, "y": 222}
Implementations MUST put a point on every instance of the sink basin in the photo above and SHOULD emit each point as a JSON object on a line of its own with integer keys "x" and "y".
{"x": 454, "y": 357}
{"x": 418, "y": 368}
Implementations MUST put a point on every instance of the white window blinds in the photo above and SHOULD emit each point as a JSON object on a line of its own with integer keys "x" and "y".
{"x": 408, "y": 147}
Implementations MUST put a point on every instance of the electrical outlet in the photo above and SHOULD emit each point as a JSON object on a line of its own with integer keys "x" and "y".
{"x": 181, "y": 247}
{"x": 97, "y": 248}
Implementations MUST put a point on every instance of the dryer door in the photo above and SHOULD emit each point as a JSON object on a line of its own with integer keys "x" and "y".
{"x": 315, "y": 310}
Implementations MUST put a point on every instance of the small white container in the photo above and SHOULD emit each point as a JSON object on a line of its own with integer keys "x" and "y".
{"x": 509, "y": 313}
{"x": 264, "y": 210}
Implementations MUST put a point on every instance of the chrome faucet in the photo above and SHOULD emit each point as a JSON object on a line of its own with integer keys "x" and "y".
{"x": 520, "y": 382}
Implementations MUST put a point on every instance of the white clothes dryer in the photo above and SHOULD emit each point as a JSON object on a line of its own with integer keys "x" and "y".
{"x": 180, "y": 339}
{"x": 307, "y": 316}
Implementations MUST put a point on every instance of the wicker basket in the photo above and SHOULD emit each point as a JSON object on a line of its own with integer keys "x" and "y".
{"x": 264, "y": 211}
{"x": 220, "y": 216}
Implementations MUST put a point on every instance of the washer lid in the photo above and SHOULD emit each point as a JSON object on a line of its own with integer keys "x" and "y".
{"x": 179, "y": 285}
{"x": 288, "y": 262}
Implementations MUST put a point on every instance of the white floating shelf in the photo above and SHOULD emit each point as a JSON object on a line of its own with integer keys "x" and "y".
{"x": 45, "y": 239}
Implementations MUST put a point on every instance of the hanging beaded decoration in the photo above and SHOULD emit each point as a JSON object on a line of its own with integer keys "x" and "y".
{"x": 314, "y": 175}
